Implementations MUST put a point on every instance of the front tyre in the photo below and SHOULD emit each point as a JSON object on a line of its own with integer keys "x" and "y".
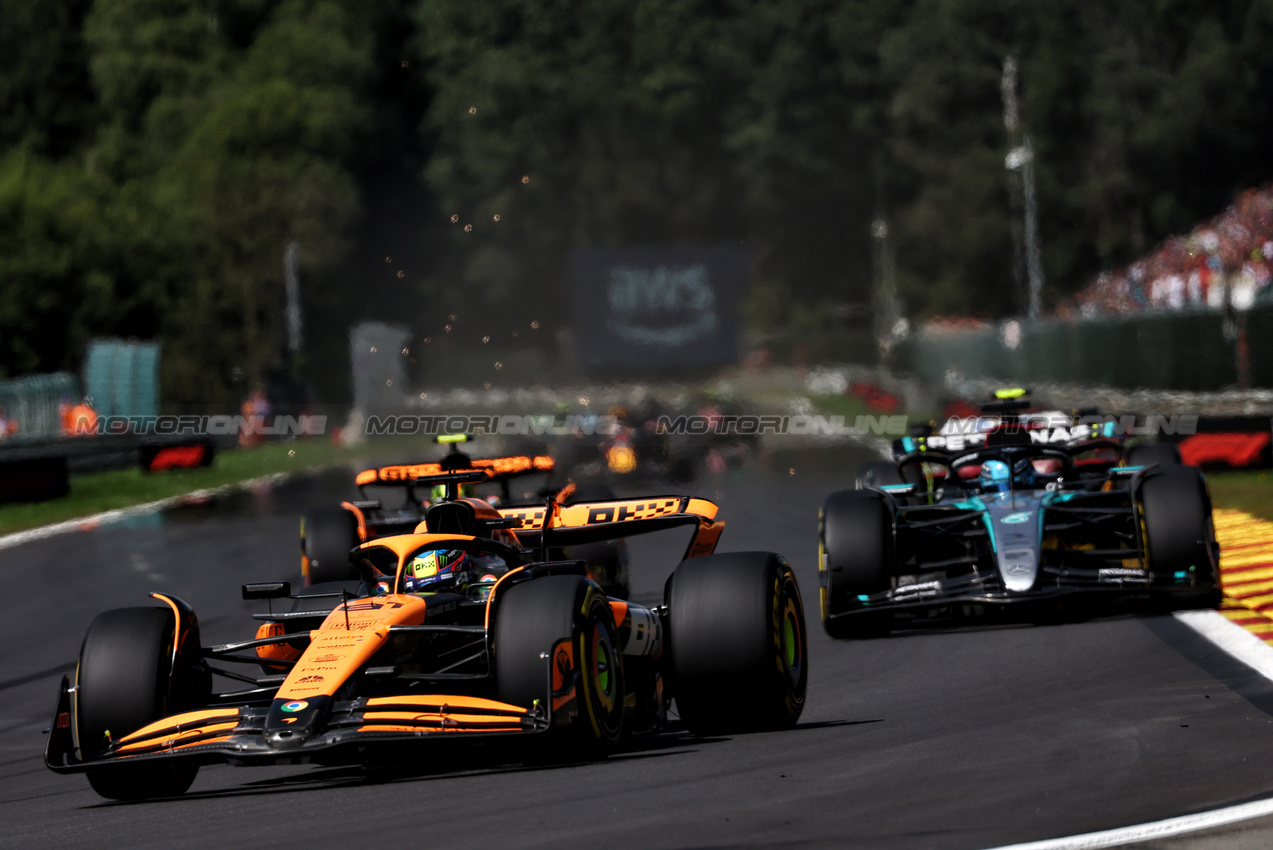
{"x": 1175, "y": 512}
{"x": 567, "y": 621}
{"x": 124, "y": 683}
{"x": 736, "y": 642}
{"x": 855, "y": 537}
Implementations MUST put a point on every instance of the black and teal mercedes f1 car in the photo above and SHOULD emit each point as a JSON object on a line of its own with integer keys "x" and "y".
{"x": 1015, "y": 525}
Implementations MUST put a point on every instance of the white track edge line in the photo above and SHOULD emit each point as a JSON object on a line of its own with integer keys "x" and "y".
{"x": 77, "y": 524}
{"x": 1243, "y": 645}
{"x": 1149, "y": 831}
{"x": 1251, "y": 651}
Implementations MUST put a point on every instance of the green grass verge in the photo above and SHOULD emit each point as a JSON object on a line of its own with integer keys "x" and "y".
{"x": 94, "y": 492}
{"x": 1243, "y": 491}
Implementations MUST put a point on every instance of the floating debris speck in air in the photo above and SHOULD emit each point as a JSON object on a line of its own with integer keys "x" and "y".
{"x": 401, "y": 274}
{"x": 447, "y": 329}
{"x": 535, "y": 324}
{"x": 791, "y": 471}
{"x": 496, "y": 217}
{"x": 291, "y": 452}
{"x": 406, "y": 64}
{"x": 405, "y": 352}
{"x": 423, "y": 396}
{"x": 468, "y": 228}
{"x": 427, "y": 340}
{"x": 486, "y": 385}
{"x": 455, "y": 219}
{"x": 389, "y": 383}
{"x": 388, "y": 259}
{"x": 451, "y": 318}
{"x": 486, "y": 339}
{"x": 525, "y": 178}
{"x": 373, "y": 349}
{"x": 498, "y": 365}
{"x": 472, "y": 110}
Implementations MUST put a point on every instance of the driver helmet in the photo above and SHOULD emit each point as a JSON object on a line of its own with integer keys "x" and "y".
{"x": 436, "y": 570}
{"x": 995, "y": 477}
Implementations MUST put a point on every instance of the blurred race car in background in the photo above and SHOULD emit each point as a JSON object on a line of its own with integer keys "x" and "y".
{"x": 659, "y": 443}
{"x": 462, "y": 630}
{"x": 1010, "y": 410}
{"x": 1010, "y": 523}
{"x": 328, "y": 533}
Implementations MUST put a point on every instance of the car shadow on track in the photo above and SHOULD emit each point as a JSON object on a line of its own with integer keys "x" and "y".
{"x": 457, "y": 761}
{"x": 986, "y": 623}
{"x": 469, "y": 761}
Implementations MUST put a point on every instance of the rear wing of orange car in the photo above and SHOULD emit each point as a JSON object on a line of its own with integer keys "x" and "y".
{"x": 496, "y": 469}
{"x": 555, "y": 525}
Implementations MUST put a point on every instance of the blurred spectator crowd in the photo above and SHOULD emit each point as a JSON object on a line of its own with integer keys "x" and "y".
{"x": 1225, "y": 263}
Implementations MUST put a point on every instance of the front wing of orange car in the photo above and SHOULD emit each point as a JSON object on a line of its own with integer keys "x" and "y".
{"x": 324, "y": 727}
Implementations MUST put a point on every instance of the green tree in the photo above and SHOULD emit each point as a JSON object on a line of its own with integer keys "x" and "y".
{"x": 237, "y": 130}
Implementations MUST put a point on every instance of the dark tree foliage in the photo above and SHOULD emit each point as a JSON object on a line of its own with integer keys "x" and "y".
{"x": 158, "y": 156}
{"x": 46, "y": 101}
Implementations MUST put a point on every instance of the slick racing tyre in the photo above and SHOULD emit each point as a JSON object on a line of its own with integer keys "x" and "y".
{"x": 736, "y": 643}
{"x": 855, "y": 548}
{"x": 560, "y": 629}
{"x": 879, "y": 473}
{"x": 327, "y": 535}
{"x": 124, "y": 684}
{"x": 1175, "y": 513}
{"x": 1162, "y": 454}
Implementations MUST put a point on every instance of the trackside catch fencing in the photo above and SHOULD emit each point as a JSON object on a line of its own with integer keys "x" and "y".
{"x": 1184, "y": 350}
{"x": 33, "y": 402}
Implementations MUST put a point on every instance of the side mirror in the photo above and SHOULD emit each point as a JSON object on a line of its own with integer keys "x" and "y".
{"x": 267, "y": 590}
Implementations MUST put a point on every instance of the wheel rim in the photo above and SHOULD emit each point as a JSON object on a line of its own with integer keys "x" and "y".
{"x": 602, "y": 666}
{"x": 603, "y": 669}
{"x": 789, "y": 640}
{"x": 792, "y": 639}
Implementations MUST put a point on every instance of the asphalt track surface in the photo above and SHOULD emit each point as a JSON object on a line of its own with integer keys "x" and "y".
{"x": 952, "y": 739}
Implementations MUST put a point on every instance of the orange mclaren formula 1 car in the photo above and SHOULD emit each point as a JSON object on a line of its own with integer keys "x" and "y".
{"x": 328, "y": 533}
{"x": 461, "y": 631}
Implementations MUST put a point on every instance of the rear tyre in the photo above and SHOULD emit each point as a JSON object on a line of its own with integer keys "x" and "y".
{"x": 568, "y": 619}
{"x": 124, "y": 684}
{"x": 1175, "y": 513}
{"x": 327, "y": 535}
{"x": 1162, "y": 454}
{"x": 855, "y": 543}
{"x": 736, "y": 643}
